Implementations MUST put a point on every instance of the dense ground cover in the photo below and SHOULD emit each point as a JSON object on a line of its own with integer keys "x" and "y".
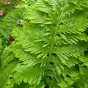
{"x": 44, "y": 44}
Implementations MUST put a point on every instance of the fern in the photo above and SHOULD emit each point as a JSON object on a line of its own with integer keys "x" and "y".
{"x": 49, "y": 49}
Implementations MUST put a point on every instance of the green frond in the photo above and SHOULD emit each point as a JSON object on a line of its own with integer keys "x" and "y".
{"x": 49, "y": 48}
{"x": 10, "y": 21}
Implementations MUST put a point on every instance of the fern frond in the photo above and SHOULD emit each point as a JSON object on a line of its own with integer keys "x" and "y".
{"x": 49, "y": 45}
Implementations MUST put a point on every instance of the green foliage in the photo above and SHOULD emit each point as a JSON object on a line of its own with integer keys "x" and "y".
{"x": 50, "y": 46}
